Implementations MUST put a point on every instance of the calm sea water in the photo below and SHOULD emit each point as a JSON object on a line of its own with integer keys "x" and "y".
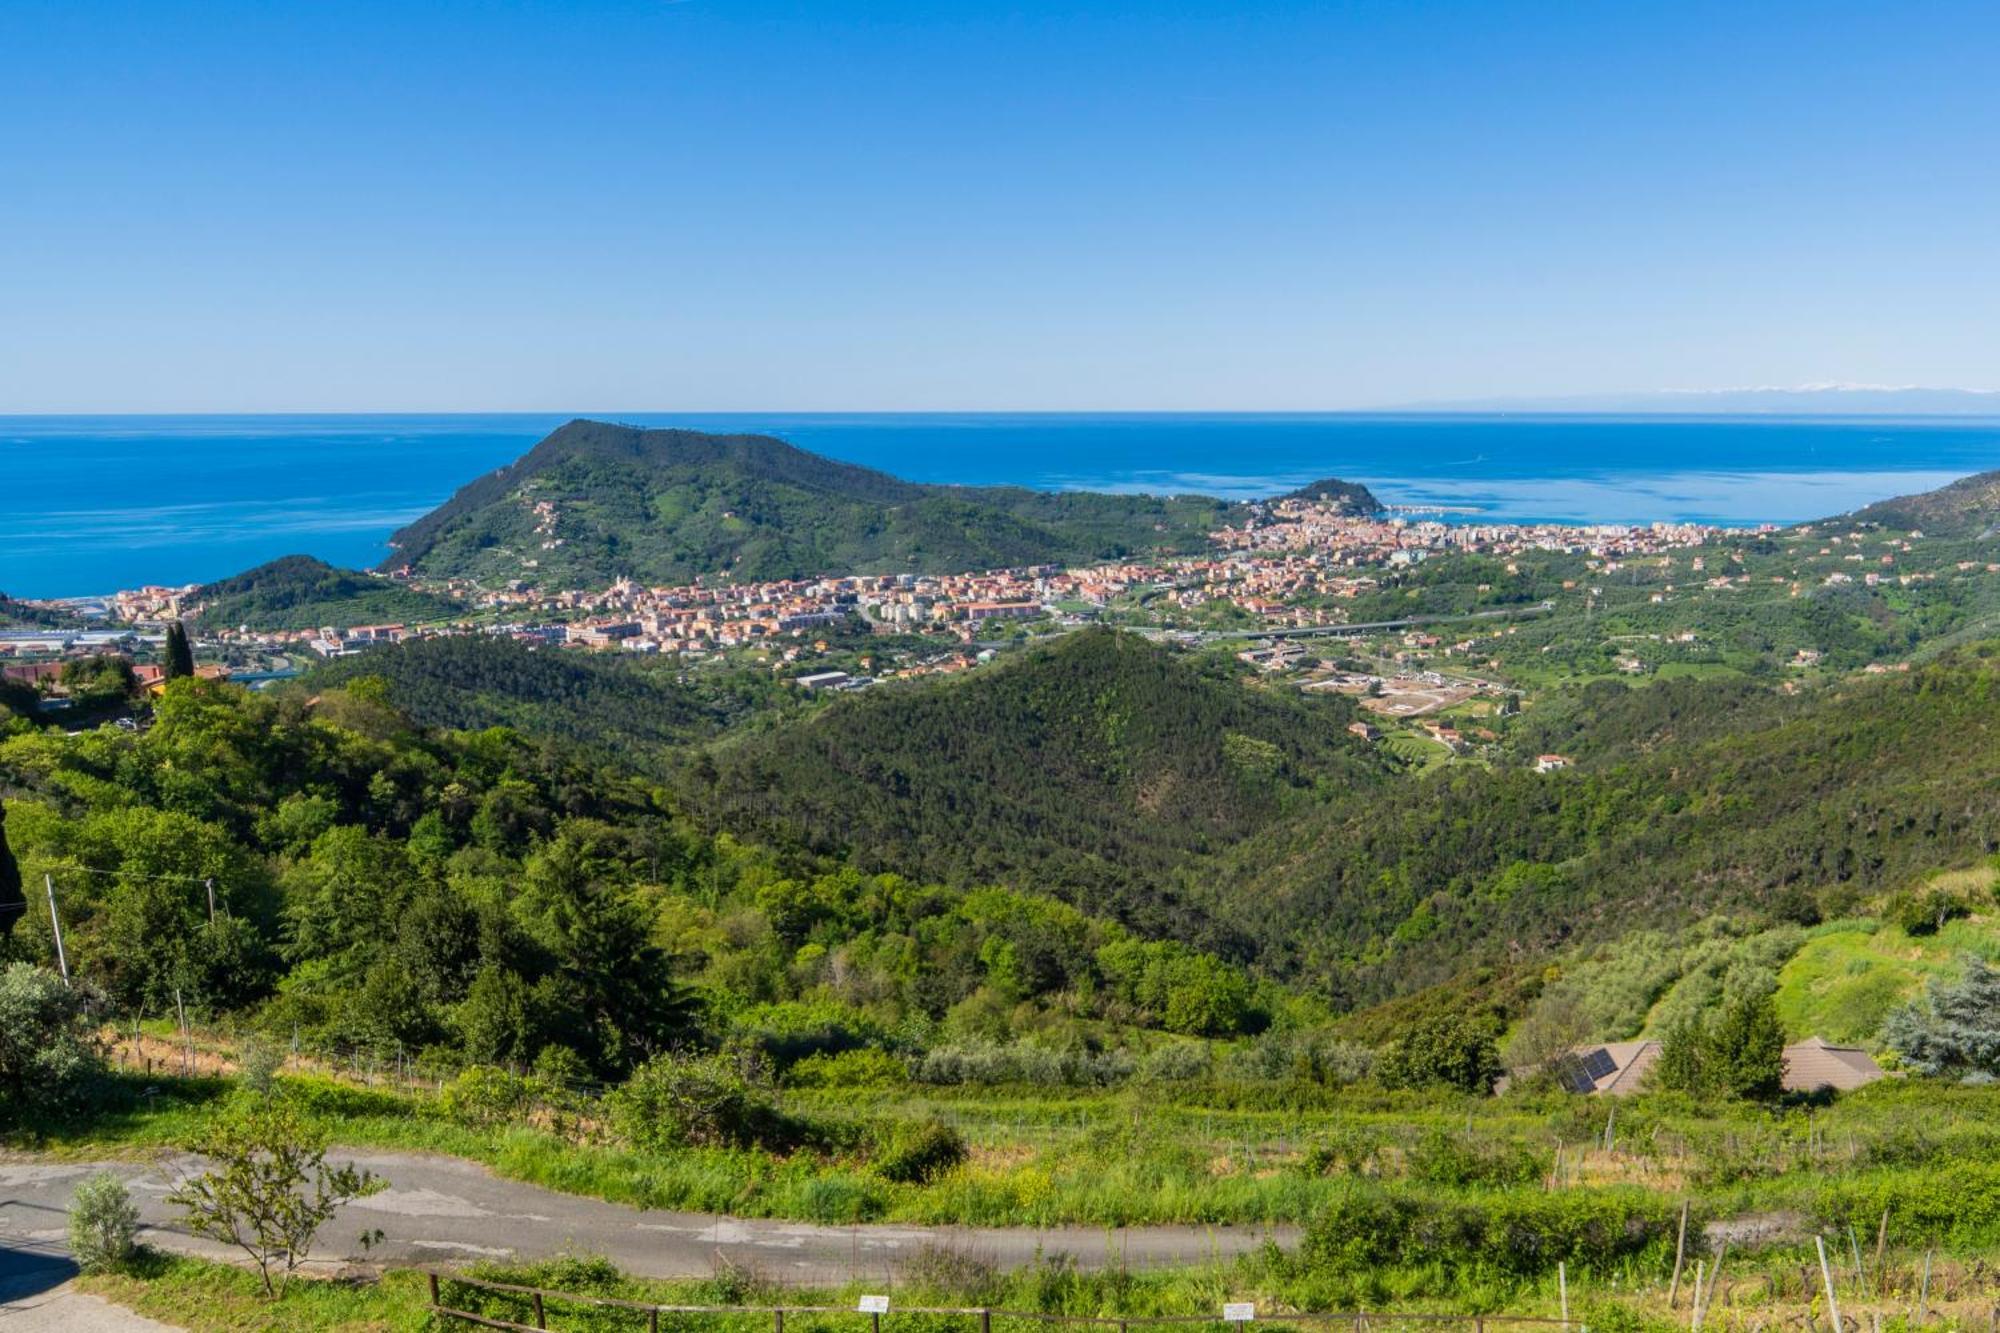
{"x": 91, "y": 504}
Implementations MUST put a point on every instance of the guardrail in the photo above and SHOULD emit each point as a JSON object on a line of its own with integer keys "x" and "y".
{"x": 535, "y": 1303}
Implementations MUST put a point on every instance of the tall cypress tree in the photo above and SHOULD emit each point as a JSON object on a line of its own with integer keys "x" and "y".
{"x": 179, "y": 654}
{"x": 13, "y": 903}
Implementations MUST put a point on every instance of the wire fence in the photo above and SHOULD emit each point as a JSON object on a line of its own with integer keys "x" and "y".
{"x": 505, "y": 1305}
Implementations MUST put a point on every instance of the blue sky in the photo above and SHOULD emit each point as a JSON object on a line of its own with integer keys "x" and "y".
{"x": 729, "y": 204}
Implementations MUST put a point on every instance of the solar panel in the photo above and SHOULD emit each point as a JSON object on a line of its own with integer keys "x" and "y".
{"x": 1571, "y": 1074}
{"x": 1599, "y": 1063}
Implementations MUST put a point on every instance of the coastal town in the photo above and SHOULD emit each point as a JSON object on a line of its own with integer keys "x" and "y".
{"x": 1268, "y": 589}
{"x": 1292, "y": 568}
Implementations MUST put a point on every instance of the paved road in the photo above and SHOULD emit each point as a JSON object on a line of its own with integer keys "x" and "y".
{"x": 67, "y": 1310}
{"x": 442, "y": 1209}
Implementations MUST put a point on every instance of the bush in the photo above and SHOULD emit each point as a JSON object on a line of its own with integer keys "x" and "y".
{"x": 1442, "y": 1050}
{"x": 1443, "y": 1157}
{"x": 1023, "y": 1062}
{"x": 258, "y": 1067}
{"x": 486, "y": 1096}
{"x": 697, "y": 1101}
{"x": 49, "y": 1050}
{"x": 869, "y": 1068}
{"x": 1518, "y": 1234}
{"x": 917, "y": 1153}
{"x": 103, "y": 1224}
{"x": 1924, "y": 911}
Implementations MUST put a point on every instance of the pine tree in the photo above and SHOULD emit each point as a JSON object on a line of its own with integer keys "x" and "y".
{"x": 179, "y": 654}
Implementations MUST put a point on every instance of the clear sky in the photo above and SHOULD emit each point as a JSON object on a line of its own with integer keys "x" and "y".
{"x": 866, "y": 204}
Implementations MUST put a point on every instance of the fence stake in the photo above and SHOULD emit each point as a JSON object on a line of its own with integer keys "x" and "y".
{"x": 1562, "y": 1289}
{"x": 434, "y": 1291}
{"x": 985, "y": 1321}
{"x": 777, "y": 1321}
{"x": 653, "y": 1320}
{"x": 1924, "y": 1291}
{"x": 541, "y": 1317}
{"x": 1826, "y": 1274}
{"x": 1680, "y": 1256}
{"x": 1881, "y": 1246}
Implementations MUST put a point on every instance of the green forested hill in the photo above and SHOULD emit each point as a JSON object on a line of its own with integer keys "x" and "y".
{"x": 300, "y": 592}
{"x": 1350, "y": 497}
{"x": 595, "y": 502}
{"x": 469, "y": 683}
{"x": 1790, "y": 808}
{"x": 1968, "y": 506}
{"x": 1094, "y": 766}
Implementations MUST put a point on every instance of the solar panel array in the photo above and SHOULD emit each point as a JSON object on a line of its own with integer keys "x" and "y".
{"x": 1581, "y": 1072}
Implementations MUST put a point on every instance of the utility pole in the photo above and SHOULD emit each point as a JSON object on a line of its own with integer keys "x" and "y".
{"x": 55, "y": 925}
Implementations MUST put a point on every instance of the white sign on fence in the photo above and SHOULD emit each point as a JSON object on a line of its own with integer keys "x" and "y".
{"x": 874, "y": 1305}
{"x": 1239, "y": 1312}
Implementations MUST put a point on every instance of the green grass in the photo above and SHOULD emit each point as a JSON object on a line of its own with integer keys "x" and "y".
{"x": 1847, "y": 979}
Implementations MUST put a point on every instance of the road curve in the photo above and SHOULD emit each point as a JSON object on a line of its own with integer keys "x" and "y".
{"x": 444, "y": 1209}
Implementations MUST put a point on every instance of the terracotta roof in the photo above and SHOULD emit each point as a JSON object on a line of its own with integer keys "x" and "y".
{"x": 1813, "y": 1064}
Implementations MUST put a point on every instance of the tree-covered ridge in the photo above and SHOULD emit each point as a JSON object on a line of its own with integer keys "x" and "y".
{"x": 613, "y": 705}
{"x": 301, "y": 592}
{"x": 596, "y": 502}
{"x": 1967, "y": 507}
{"x": 1795, "y": 808}
{"x": 498, "y": 899}
{"x": 1094, "y": 766}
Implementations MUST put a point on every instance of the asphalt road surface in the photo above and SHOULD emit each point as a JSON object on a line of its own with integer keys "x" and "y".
{"x": 445, "y": 1210}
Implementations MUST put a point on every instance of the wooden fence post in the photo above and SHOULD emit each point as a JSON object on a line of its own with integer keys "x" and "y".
{"x": 1680, "y": 1256}
{"x": 541, "y": 1316}
{"x": 434, "y": 1291}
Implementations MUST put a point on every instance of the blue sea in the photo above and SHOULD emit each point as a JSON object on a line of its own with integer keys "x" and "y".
{"x": 92, "y": 504}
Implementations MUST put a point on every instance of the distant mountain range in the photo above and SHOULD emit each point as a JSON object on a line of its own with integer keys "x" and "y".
{"x": 595, "y": 502}
{"x": 1803, "y": 400}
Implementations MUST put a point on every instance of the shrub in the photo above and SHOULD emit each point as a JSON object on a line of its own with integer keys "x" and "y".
{"x": 1023, "y": 1062}
{"x": 1177, "y": 1062}
{"x": 103, "y": 1224}
{"x": 1924, "y": 911}
{"x": 49, "y": 1050}
{"x": 916, "y": 1153}
{"x": 1442, "y": 1050}
{"x": 1346, "y": 1151}
{"x": 258, "y": 1068}
{"x": 686, "y": 1101}
{"x": 486, "y": 1096}
{"x": 1442, "y": 1157}
{"x": 1517, "y": 1234}
{"x": 869, "y": 1068}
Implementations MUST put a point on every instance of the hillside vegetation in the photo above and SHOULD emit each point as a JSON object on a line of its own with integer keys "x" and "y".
{"x": 595, "y": 502}
{"x": 300, "y": 592}
{"x": 1792, "y": 807}
{"x": 610, "y": 705}
{"x": 1092, "y": 767}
